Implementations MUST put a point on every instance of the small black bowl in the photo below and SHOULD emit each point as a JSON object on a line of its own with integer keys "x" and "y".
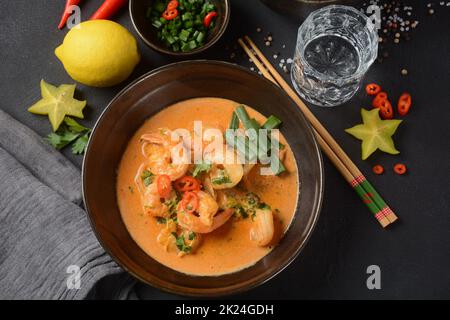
{"x": 148, "y": 33}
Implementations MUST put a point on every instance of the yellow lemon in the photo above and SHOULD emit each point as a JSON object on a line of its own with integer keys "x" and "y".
{"x": 99, "y": 53}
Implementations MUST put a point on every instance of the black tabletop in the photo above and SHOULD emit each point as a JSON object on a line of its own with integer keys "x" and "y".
{"x": 413, "y": 254}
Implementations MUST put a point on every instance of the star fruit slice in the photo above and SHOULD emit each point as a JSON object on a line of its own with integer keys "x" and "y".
{"x": 58, "y": 102}
{"x": 375, "y": 133}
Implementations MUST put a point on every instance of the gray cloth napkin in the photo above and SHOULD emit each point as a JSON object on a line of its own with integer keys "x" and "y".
{"x": 45, "y": 236}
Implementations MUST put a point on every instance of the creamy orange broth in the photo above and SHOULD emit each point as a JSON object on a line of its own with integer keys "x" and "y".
{"x": 227, "y": 249}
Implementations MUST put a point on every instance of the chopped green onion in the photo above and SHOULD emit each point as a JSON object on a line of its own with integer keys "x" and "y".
{"x": 184, "y": 35}
{"x": 271, "y": 123}
{"x": 186, "y": 16}
{"x": 192, "y": 44}
{"x": 234, "y": 124}
{"x": 157, "y": 24}
{"x": 200, "y": 37}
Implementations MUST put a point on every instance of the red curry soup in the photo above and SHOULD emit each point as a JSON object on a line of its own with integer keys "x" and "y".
{"x": 210, "y": 217}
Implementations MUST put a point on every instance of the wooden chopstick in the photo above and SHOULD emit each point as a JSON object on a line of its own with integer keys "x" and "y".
{"x": 343, "y": 163}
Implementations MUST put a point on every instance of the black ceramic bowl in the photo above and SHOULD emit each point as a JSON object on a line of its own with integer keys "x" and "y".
{"x": 150, "y": 94}
{"x": 148, "y": 33}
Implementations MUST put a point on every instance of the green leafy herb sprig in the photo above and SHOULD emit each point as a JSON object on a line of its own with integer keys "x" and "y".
{"x": 70, "y": 132}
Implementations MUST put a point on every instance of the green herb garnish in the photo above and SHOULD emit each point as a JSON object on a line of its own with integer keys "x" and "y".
{"x": 257, "y": 148}
{"x": 200, "y": 168}
{"x": 252, "y": 199}
{"x": 161, "y": 220}
{"x": 69, "y": 132}
{"x": 172, "y": 204}
{"x": 263, "y": 206}
{"x": 223, "y": 178}
{"x": 181, "y": 244}
{"x": 241, "y": 212}
{"x": 192, "y": 235}
{"x": 147, "y": 177}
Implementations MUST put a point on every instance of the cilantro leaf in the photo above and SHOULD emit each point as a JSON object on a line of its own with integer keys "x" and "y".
{"x": 69, "y": 132}
{"x": 221, "y": 180}
{"x": 62, "y": 137}
{"x": 201, "y": 167}
{"x": 147, "y": 177}
{"x": 181, "y": 244}
{"x": 75, "y": 126}
{"x": 54, "y": 139}
{"x": 80, "y": 144}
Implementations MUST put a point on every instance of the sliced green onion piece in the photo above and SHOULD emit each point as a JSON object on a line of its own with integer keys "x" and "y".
{"x": 271, "y": 123}
{"x": 184, "y": 35}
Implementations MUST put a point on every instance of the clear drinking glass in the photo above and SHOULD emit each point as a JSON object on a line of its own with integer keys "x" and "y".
{"x": 335, "y": 47}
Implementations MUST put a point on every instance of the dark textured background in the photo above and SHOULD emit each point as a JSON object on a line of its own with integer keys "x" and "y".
{"x": 414, "y": 255}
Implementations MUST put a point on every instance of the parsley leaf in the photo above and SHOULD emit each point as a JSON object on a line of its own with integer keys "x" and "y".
{"x": 147, "y": 177}
{"x": 200, "y": 168}
{"x": 80, "y": 144}
{"x": 221, "y": 180}
{"x": 240, "y": 212}
{"x": 172, "y": 204}
{"x": 181, "y": 244}
{"x": 55, "y": 140}
{"x": 69, "y": 132}
{"x": 75, "y": 126}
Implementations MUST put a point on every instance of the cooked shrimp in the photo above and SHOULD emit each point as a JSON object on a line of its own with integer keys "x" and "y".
{"x": 225, "y": 172}
{"x": 165, "y": 236}
{"x": 207, "y": 184}
{"x": 151, "y": 200}
{"x": 207, "y": 208}
{"x": 192, "y": 222}
{"x": 165, "y": 156}
{"x": 263, "y": 229}
{"x": 154, "y": 204}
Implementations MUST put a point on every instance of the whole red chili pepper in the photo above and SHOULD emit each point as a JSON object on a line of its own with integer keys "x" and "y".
{"x": 67, "y": 12}
{"x": 208, "y": 18}
{"x": 108, "y": 9}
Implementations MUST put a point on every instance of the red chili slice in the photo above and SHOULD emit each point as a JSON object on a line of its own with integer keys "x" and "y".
{"x": 208, "y": 18}
{"x": 189, "y": 202}
{"x": 172, "y": 5}
{"x": 400, "y": 168}
{"x": 164, "y": 185}
{"x": 386, "y": 110}
{"x": 187, "y": 183}
{"x": 373, "y": 89}
{"x": 378, "y": 98}
{"x": 404, "y": 103}
{"x": 378, "y": 169}
{"x": 170, "y": 14}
